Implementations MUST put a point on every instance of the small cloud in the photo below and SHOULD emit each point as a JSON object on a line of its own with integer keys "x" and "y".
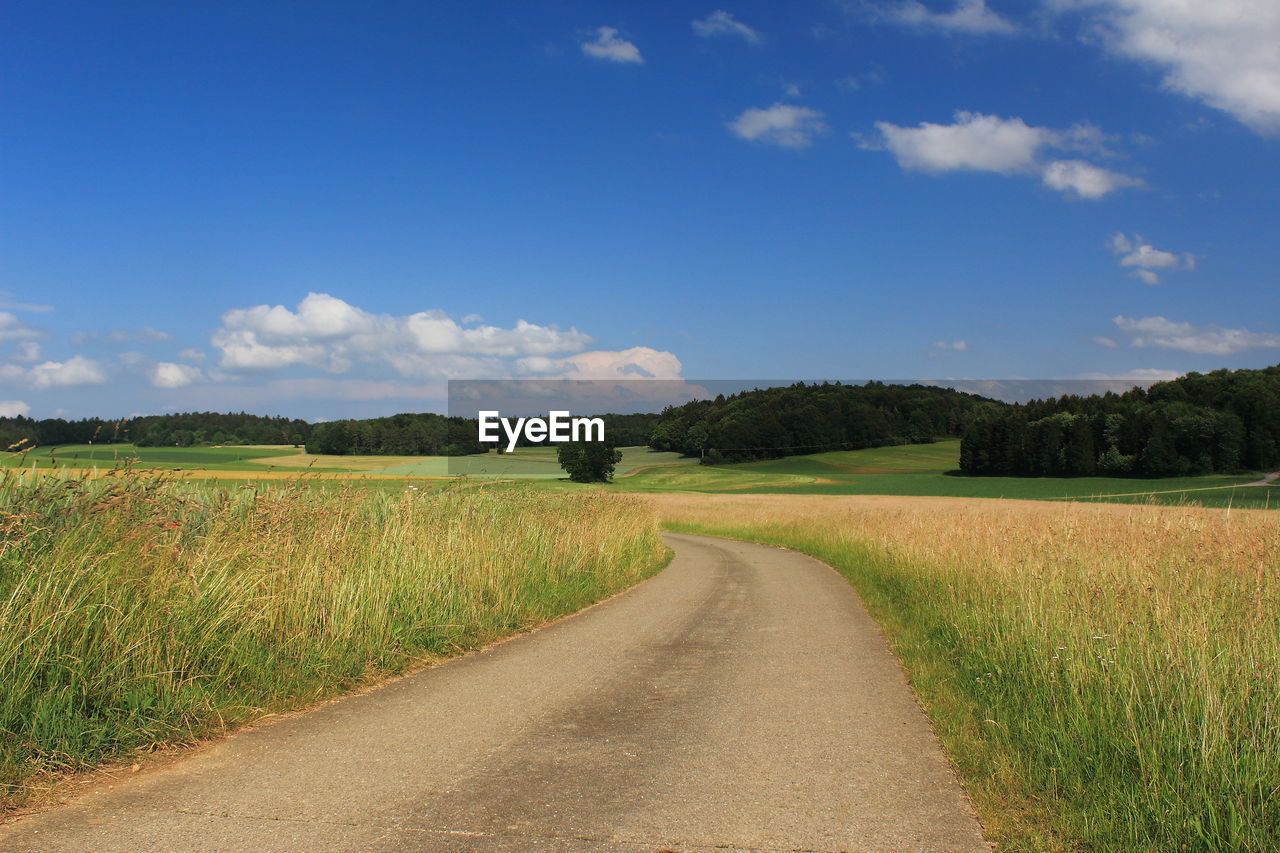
{"x": 1141, "y": 374}
{"x": 608, "y": 45}
{"x": 791, "y": 90}
{"x": 166, "y": 374}
{"x": 13, "y": 329}
{"x": 854, "y": 82}
{"x": 1085, "y": 180}
{"x": 27, "y": 352}
{"x": 1006, "y": 146}
{"x": 1146, "y": 259}
{"x": 956, "y": 346}
{"x": 77, "y": 370}
{"x": 1202, "y": 340}
{"x": 785, "y": 125}
{"x": 971, "y": 17}
{"x": 117, "y": 337}
{"x": 722, "y": 23}
{"x": 634, "y": 363}
{"x": 13, "y": 409}
{"x": 1104, "y": 341}
{"x": 12, "y": 303}
{"x": 975, "y": 142}
{"x": 193, "y": 355}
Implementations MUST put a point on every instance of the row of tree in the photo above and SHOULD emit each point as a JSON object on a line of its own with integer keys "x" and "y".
{"x": 425, "y": 434}
{"x": 1220, "y": 422}
{"x": 812, "y": 418}
{"x": 181, "y": 430}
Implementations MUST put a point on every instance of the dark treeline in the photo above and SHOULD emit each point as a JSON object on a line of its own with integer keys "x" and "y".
{"x": 1220, "y": 422}
{"x": 181, "y": 430}
{"x": 425, "y": 434}
{"x": 631, "y": 430}
{"x": 773, "y": 422}
{"x": 437, "y": 435}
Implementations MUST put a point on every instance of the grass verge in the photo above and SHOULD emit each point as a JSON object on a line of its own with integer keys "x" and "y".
{"x": 1103, "y": 677}
{"x": 137, "y": 611}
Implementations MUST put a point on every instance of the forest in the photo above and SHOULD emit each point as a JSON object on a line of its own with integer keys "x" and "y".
{"x": 187, "y": 429}
{"x": 770, "y": 423}
{"x": 1225, "y": 421}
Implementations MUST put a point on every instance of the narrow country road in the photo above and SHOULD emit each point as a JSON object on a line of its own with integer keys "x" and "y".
{"x": 740, "y": 700}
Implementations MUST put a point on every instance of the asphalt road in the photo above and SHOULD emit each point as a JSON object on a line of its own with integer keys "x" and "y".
{"x": 740, "y": 700}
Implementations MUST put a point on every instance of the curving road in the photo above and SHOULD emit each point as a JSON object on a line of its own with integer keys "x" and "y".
{"x": 740, "y": 700}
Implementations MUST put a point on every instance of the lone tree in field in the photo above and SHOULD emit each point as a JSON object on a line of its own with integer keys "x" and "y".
{"x": 588, "y": 461}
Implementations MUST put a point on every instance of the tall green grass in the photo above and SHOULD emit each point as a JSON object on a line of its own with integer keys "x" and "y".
{"x": 136, "y": 611}
{"x": 1103, "y": 677}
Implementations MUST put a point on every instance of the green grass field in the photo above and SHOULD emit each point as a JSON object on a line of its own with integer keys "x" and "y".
{"x": 922, "y": 470}
{"x": 1103, "y": 677}
{"x": 137, "y": 611}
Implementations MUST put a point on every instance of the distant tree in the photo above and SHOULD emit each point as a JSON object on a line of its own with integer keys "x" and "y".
{"x": 588, "y": 461}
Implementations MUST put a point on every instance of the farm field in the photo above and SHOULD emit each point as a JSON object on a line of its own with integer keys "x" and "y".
{"x": 137, "y": 611}
{"x": 922, "y": 470}
{"x": 523, "y": 464}
{"x": 1102, "y": 676}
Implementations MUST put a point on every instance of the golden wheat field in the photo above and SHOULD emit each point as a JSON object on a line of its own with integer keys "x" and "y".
{"x": 1102, "y": 676}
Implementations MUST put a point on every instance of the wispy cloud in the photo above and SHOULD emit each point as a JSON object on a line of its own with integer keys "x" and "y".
{"x": 971, "y": 17}
{"x": 785, "y": 125}
{"x": 722, "y": 23}
{"x": 13, "y": 329}
{"x": 956, "y": 346}
{"x": 115, "y": 337}
{"x": 608, "y": 45}
{"x": 1203, "y": 340}
{"x": 11, "y": 302}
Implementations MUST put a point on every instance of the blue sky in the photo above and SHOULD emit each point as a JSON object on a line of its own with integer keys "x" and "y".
{"x": 327, "y": 209}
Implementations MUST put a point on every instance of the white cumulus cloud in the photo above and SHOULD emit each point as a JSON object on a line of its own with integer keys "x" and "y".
{"x": 633, "y": 363}
{"x": 610, "y": 46}
{"x": 13, "y": 408}
{"x": 1085, "y": 180}
{"x": 1203, "y": 340}
{"x": 1133, "y": 251}
{"x": 965, "y": 16}
{"x": 976, "y": 142}
{"x": 1225, "y": 53}
{"x": 722, "y": 23}
{"x": 786, "y": 125}
{"x": 167, "y": 374}
{"x": 76, "y": 370}
{"x": 329, "y": 334}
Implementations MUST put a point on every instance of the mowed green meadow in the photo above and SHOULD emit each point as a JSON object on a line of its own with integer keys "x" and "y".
{"x": 928, "y": 470}
{"x": 908, "y": 470}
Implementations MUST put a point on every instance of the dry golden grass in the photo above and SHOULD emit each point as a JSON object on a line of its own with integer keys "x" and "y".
{"x": 143, "y": 610}
{"x": 1104, "y": 676}
{"x": 353, "y": 463}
